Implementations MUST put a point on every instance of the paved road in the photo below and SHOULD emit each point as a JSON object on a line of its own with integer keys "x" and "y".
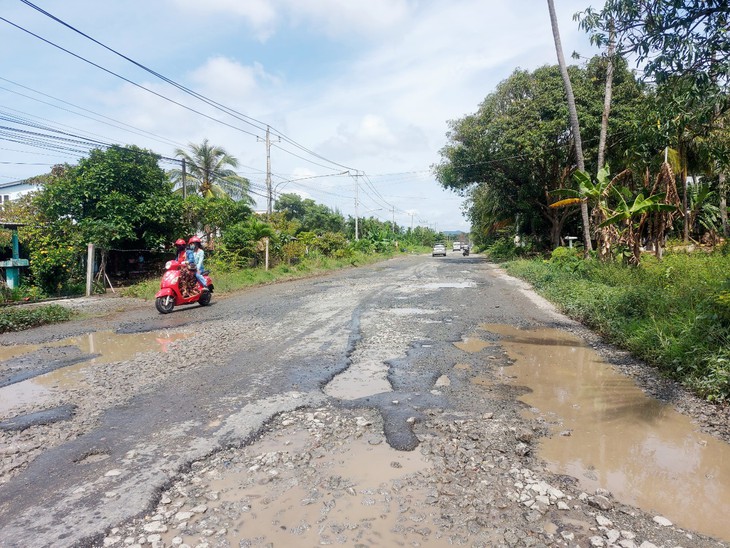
{"x": 360, "y": 338}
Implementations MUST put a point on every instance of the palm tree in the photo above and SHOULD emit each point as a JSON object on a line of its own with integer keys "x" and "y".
{"x": 573, "y": 122}
{"x": 210, "y": 167}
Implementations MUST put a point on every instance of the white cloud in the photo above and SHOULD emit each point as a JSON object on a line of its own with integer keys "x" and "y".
{"x": 259, "y": 14}
{"x": 230, "y": 82}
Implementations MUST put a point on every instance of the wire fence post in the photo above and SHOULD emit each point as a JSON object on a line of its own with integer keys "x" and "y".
{"x": 89, "y": 268}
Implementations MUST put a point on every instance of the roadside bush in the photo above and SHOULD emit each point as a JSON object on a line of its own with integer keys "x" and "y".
{"x": 502, "y": 249}
{"x": 17, "y": 319}
{"x": 673, "y": 313}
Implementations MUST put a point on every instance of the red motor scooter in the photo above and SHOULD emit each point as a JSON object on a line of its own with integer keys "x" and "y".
{"x": 170, "y": 295}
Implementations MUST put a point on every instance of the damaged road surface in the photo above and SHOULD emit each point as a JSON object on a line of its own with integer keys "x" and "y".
{"x": 373, "y": 406}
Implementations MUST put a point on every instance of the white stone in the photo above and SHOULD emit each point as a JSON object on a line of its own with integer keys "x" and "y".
{"x": 567, "y": 535}
{"x": 661, "y": 520}
{"x": 165, "y": 500}
{"x": 597, "y": 542}
{"x": 110, "y": 541}
{"x": 563, "y": 506}
{"x": 112, "y": 473}
{"x": 603, "y": 521}
{"x": 176, "y": 541}
{"x": 154, "y": 538}
{"x": 626, "y": 543}
{"x": 154, "y": 527}
{"x": 542, "y": 499}
{"x": 362, "y": 421}
{"x": 443, "y": 380}
{"x": 202, "y": 508}
{"x": 628, "y": 535}
{"x": 647, "y": 544}
{"x": 182, "y": 516}
{"x": 613, "y": 535}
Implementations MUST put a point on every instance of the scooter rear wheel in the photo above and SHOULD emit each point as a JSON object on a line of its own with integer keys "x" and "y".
{"x": 205, "y": 297}
{"x": 165, "y": 305}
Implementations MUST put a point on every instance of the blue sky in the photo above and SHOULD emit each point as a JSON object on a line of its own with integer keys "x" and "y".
{"x": 367, "y": 84}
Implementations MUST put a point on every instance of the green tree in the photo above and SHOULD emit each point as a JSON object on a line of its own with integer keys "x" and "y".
{"x": 311, "y": 216}
{"x": 670, "y": 38}
{"x": 212, "y": 215}
{"x": 211, "y": 170}
{"x": 244, "y": 240}
{"x": 510, "y": 156}
{"x": 116, "y": 198}
{"x": 683, "y": 47}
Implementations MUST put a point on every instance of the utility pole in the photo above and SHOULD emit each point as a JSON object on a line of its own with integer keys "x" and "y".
{"x": 411, "y": 222}
{"x": 357, "y": 185}
{"x": 392, "y": 209}
{"x": 269, "y": 200}
{"x": 269, "y": 193}
{"x": 268, "y": 172}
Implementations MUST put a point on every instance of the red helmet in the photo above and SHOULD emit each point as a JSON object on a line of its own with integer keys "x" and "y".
{"x": 179, "y": 241}
{"x": 194, "y": 240}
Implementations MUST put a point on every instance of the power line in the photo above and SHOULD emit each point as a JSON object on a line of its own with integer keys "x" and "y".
{"x": 127, "y": 79}
{"x": 135, "y": 130}
{"x": 243, "y": 117}
{"x": 258, "y": 124}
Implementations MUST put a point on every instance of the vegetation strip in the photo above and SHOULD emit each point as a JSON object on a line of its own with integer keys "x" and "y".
{"x": 17, "y": 319}
{"x": 673, "y": 313}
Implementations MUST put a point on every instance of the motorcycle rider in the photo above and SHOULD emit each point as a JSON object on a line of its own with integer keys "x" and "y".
{"x": 181, "y": 247}
{"x": 198, "y": 256}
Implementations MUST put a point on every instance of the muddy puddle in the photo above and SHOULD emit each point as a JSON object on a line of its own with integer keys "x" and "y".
{"x": 350, "y": 495}
{"x": 607, "y": 433}
{"x": 362, "y": 379}
{"x": 104, "y": 346}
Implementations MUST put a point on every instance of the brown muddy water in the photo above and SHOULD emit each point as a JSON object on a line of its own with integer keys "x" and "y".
{"x": 110, "y": 347}
{"x": 305, "y": 512}
{"x": 607, "y": 433}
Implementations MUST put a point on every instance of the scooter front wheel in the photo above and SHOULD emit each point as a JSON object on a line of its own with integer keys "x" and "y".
{"x": 165, "y": 304}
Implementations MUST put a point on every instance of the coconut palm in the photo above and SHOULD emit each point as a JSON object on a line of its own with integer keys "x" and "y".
{"x": 209, "y": 169}
{"x": 573, "y": 122}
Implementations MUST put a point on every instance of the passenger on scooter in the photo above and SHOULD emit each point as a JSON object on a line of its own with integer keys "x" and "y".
{"x": 198, "y": 257}
{"x": 187, "y": 280}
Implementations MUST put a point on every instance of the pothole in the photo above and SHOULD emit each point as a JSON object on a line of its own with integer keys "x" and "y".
{"x": 643, "y": 451}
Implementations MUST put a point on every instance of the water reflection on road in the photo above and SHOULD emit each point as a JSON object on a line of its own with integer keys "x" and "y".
{"x": 101, "y": 346}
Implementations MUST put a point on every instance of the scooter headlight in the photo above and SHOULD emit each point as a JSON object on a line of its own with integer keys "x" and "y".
{"x": 168, "y": 265}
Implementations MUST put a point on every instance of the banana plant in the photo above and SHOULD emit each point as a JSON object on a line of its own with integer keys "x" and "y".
{"x": 630, "y": 218}
{"x": 596, "y": 194}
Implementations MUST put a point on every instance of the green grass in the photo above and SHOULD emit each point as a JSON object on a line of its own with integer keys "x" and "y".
{"x": 19, "y": 318}
{"x": 673, "y": 313}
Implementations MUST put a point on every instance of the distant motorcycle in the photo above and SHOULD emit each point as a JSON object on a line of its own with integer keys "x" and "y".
{"x": 170, "y": 294}
{"x": 465, "y": 251}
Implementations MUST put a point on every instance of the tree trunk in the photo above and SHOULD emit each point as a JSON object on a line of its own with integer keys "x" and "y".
{"x": 573, "y": 123}
{"x": 606, "y": 102}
